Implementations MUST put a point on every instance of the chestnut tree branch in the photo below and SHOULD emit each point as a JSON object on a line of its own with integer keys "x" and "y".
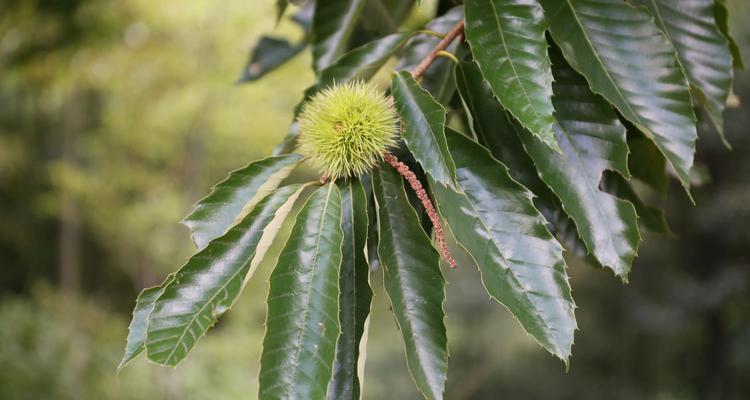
{"x": 423, "y": 65}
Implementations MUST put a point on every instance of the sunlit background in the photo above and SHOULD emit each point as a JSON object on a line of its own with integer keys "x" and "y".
{"x": 117, "y": 115}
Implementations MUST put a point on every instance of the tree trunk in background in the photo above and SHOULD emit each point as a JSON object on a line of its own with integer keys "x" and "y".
{"x": 69, "y": 242}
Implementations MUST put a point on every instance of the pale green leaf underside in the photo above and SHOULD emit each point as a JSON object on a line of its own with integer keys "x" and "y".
{"x": 302, "y": 322}
{"x": 702, "y": 48}
{"x": 423, "y": 121}
{"x": 522, "y": 265}
{"x": 627, "y": 59}
{"x": 413, "y": 282}
{"x": 207, "y": 286}
{"x": 233, "y": 197}
{"x": 508, "y": 43}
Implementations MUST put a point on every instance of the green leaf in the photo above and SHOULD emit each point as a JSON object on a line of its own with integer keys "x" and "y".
{"x": 423, "y": 121}
{"x": 413, "y": 282}
{"x": 144, "y": 304}
{"x": 493, "y": 129}
{"x": 210, "y": 282}
{"x": 592, "y": 140}
{"x": 364, "y": 61}
{"x": 702, "y": 49}
{"x": 438, "y": 80}
{"x": 302, "y": 322}
{"x": 355, "y": 293}
{"x": 233, "y": 197}
{"x": 522, "y": 265}
{"x": 647, "y": 163}
{"x": 496, "y": 132}
{"x": 386, "y": 16}
{"x": 628, "y": 60}
{"x": 268, "y": 54}
{"x": 333, "y": 24}
{"x": 360, "y": 63}
{"x": 722, "y": 20}
{"x": 651, "y": 218}
{"x": 508, "y": 43}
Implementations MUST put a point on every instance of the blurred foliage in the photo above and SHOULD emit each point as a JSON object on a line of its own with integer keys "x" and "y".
{"x": 127, "y": 110}
{"x": 144, "y": 92}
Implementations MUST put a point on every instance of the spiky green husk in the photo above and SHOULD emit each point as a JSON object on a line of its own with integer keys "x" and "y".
{"x": 345, "y": 129}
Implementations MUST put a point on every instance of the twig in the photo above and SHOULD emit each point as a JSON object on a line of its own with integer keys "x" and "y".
{"x": 416, "y": 185}
{"x": 420, "y": 69}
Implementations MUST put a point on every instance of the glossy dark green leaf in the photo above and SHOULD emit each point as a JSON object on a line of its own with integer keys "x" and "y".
{"x": 268, "y": 54}
{"x": 207, "y": 286}
{"x": 646, "y": 162}
{"x": 364, "y": 61}
{"x": 702, "y": 49}
{"x": 592, "y": 140}
{"x": 507, "y": 42}
{"x": 496, "y": 132}
{"x": 651, "y": 218}
{"x": 233, "y": 197}
{"x": 355, "y": 293}
{"x": 333, "y": 24}
{"x": 423, "y": 121}
{"x": 627, "y": 59}
{"x": 361, "y": 63}
{"x": 722, "y": 20}
{"x": 493, "y": 129}
{"x": 438, "y": 79}
{"x": 522, "y": 266}
{"x": 303, "y": 300}
{"x": 413, "y": 282}
{"x": 565, "y": 231}
{"x": 144, "y": 304}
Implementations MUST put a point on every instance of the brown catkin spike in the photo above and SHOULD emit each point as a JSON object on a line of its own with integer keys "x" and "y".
{"x": 416, "y": 185}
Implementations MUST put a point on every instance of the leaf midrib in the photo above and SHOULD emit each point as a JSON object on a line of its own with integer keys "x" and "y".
{"x": 593, "y": 189}
{"x": 354, "y": 344}
{"x": 505, "y": 260}
{"x": 422, "y": 361}
{"x": 306, "y": 311}
{"x": 603, "y": 66}
{"x": 510, "y": 59}
{"x": 434, "y": 133}
{"x": 199, "y": 312}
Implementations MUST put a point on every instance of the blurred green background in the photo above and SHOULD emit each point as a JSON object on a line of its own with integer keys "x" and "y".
{"x": 115, "y": 116}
